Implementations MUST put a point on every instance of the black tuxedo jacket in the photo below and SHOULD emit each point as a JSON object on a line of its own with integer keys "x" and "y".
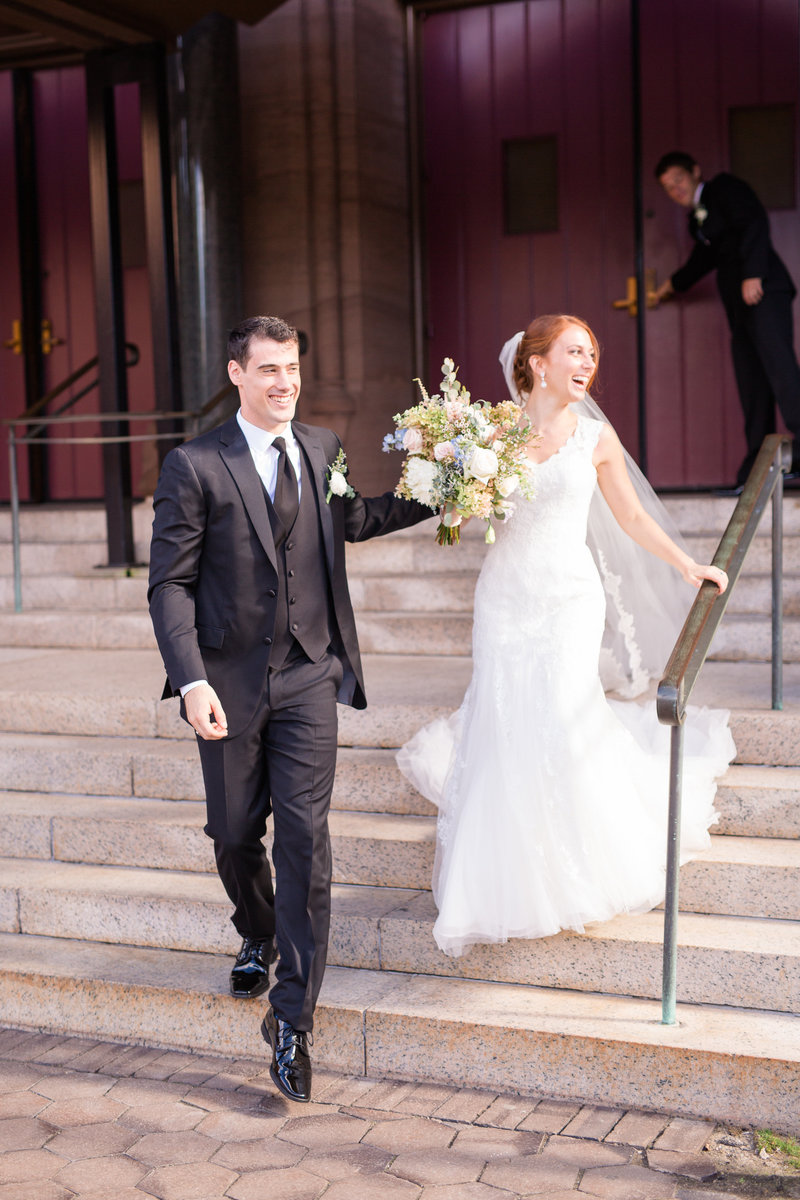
{"x": 213, "y": 570}
{"x": 733, "y": 239}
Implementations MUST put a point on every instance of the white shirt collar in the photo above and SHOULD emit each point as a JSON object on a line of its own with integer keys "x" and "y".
{"x": 259, "y": 439}
{"x": 698, "y": 193}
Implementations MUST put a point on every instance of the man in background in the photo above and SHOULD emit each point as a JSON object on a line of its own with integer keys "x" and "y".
{"x": 730, "y": 230}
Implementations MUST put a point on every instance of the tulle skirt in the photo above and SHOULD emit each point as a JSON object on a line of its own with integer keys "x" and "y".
{"x": 553, "y": 802}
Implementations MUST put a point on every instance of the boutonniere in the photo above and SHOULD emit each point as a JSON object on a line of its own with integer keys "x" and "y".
{"x": 336, "y": 473}
{"x": 700, "y": 214}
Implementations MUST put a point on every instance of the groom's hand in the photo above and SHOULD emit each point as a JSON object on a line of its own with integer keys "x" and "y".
{"x": 205, "y": 714}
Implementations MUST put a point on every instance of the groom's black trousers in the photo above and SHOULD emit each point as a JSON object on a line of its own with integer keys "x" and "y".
{"x": 284, "y": 761}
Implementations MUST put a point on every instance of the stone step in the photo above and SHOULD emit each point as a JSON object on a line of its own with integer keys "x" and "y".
{"x": 757, "y": 801}
{"x": 741, "y": 876}
{"x": 445, "y": 594}
{"x": 104, "y": 592}
{"x": 67, "y": 524}
{"x": 52, "y": 558}
{"x": 90, "y": 629}
{"x": 752, "y": 800}
{"x": 748, "y": 962}
{"x": 370, "y": 849}
{"x": 741, "y": 636}
{"x": 739, "y": 961}
{"x": 115, "y": 693}
{"x": 717, "y": 1062}
{"x": 108, "y": 591}
{"x": 169, "y": 769}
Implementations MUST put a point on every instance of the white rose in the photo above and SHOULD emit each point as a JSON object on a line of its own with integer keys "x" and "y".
{"x": 412, "y": 441}
{"x": 483, "y": 464}
{"x": 337, "y": 483}
{"x": 420, "y": 475}
{"x": 507, "y": 485}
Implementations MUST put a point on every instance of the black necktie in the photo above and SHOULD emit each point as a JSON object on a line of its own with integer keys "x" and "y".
{"x": 286, "y": 501}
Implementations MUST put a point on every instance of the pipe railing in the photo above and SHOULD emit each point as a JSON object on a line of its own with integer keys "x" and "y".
{"x": 36, "y": 438}
{"x": 765, "y": 481}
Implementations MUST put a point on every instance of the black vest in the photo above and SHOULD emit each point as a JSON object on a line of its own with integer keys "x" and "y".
{"x": 304, "y": 615}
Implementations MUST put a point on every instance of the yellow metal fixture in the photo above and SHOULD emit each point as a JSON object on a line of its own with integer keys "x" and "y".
{"x": 15, "y": 342}
{"x": 631, "y": 300}
{"x": 48, "y": 341}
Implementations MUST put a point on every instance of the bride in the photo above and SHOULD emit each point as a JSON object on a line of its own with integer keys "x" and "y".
{"x": 552, "y": 799}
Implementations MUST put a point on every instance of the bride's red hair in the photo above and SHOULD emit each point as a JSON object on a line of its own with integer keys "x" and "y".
{"x": 538, "y": 339}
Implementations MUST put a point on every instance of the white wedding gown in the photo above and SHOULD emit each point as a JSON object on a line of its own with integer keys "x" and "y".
{"x": 552, "y": 799}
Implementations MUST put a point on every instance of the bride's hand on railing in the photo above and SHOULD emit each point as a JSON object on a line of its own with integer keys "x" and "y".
{"x": 695, "y": 574}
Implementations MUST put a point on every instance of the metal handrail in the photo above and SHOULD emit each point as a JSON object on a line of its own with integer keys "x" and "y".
{"x": 44, "y": 400}
{"x": 37, "y": 438}
{"x": 765, "y": 481}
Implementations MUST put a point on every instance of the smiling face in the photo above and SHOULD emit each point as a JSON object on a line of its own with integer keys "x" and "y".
{"x": 269, "y": 384}
{"x": 570, "y": 364}
{"x": 680, "y": 184}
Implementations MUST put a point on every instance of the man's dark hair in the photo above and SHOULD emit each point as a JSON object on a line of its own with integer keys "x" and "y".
{"x": 675, "y": 158}
{"x": 257, "y": 329}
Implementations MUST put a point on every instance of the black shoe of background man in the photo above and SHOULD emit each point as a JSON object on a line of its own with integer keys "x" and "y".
{"x": 291, "y": 1064}
{"x": 250, "y": 974}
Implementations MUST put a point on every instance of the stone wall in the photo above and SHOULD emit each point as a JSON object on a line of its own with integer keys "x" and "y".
{"x": 326, "y": 225}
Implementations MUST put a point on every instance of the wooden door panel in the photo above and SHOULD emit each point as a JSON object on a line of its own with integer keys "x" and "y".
{"x": 67, "y": 276}
{"x": 12, "y": 371}
{"x": 562, "y": 67}
{"x": 512, "y": 71}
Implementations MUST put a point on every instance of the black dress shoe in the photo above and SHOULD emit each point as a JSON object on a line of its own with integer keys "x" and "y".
{"x": 291, "y": 1065}
{"x": 250, "y": 974}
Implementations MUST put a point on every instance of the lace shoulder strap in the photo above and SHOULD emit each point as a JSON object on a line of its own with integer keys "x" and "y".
{"x": 587, "y": 433}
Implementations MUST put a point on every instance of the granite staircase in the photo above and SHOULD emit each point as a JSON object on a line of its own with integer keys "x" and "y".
{"x": 113, "y": 923}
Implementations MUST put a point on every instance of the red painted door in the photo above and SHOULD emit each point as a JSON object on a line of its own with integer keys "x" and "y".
{"x": 12, "y": 373}
{"x": 560, "y": 70}
{"x": 74, "y": 472}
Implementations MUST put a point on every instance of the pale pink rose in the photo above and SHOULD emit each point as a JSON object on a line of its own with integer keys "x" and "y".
{"x": 453, "y": 409}
{"x": 412, "y": 441}
{"x": 443, "y": 451}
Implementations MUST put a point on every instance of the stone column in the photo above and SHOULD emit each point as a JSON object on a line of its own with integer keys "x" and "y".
{"x": 205, "y": 114}
{"x": 326, "y": 209}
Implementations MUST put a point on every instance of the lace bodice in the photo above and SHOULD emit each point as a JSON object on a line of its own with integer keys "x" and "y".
{"x": 541, "y": 555}
{"x": 564, "y": 485}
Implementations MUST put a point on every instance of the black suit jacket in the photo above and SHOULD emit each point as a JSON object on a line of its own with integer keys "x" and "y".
{"x": 213, "y": 571}
{"x": 733, "y": 239}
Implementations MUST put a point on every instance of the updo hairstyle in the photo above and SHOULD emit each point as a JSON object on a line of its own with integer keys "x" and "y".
{"x": 538, "y": 339}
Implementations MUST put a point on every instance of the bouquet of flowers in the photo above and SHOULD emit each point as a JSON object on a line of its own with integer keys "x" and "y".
{"x": 464, "y": 456}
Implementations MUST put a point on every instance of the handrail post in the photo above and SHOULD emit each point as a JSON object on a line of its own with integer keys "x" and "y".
{"x": 777, "y": 586}
{"x": 670, "y": 963}
{"x": 15, "y": 547}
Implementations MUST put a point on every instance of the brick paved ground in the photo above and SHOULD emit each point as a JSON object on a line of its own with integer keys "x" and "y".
{"x": 101, "y": 1121}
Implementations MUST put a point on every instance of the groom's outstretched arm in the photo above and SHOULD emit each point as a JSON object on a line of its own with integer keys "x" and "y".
{"x": 368, "y": 517}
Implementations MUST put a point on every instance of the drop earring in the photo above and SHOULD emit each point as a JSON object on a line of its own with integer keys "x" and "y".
{"x": 544, "y": 381}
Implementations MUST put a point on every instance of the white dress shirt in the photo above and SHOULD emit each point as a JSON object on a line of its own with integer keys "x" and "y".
{"x": 265, "y": 457}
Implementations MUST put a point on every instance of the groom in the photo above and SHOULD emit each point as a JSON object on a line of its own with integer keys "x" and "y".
{"x": 250, "y": 606}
